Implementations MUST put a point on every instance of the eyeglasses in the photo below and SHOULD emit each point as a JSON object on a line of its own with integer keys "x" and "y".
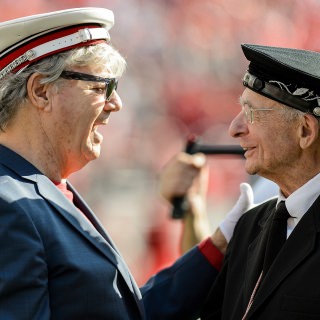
{"x": 249, "y": 112}
{"x": 111, "y": 83}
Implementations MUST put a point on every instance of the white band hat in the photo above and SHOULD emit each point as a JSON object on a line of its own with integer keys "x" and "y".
{"x": 26, "y": 40}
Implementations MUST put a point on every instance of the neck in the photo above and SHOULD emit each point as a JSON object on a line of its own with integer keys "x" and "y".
{"x": 26, "y": 137}
{"x": 291, "y": 179}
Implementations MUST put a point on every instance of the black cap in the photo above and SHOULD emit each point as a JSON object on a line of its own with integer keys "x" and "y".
{"x": 289, "y": 76}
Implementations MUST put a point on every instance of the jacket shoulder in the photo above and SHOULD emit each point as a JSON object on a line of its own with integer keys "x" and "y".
{"x": 258, "y": 214}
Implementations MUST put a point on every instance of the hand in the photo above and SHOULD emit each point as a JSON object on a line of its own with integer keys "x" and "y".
{"x": 244, "y": 203}
{"x": 185, "y": 175}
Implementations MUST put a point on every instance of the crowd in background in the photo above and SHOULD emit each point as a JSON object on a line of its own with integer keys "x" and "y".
{"x": 184, "y": 76}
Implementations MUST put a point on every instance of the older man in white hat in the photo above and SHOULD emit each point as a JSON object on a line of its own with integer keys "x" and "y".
{"x": 58, "y": 80}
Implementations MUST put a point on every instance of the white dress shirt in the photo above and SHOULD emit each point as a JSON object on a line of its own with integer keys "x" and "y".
{"x": 300, "y": 201}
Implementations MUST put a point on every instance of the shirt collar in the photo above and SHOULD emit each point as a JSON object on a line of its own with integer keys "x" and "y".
{"x": 300, "y": 201}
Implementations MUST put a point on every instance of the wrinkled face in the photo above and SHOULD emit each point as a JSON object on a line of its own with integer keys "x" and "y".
{"x": 78, "y": 110}
{"x": 271, "y": 143}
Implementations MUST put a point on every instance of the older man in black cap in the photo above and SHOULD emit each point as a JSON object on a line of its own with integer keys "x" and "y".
{"x": 271, "y": 269}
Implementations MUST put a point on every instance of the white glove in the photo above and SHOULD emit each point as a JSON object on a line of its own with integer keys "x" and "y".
{"x": 244, "y": 203}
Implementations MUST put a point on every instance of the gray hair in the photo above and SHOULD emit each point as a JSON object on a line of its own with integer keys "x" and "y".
{"x": 288, "y": 114}
{"x": 291, "y": 114}
{"x": 13, "y": 89}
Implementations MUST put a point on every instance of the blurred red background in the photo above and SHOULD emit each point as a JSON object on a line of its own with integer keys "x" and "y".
{"x": 184, "y": 75}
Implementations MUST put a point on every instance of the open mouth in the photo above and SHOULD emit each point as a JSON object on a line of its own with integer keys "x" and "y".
{"x": 247, "y": 150}
{"x": 96, "y": 135}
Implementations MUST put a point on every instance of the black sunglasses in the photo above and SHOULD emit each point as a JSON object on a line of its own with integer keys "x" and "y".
{"x": 111, "y": 83}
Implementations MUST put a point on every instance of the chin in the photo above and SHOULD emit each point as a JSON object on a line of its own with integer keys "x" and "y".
{"x": 97, "y": 151}
{"x": 93, "y": 153}
{"x": 250, "y": 169}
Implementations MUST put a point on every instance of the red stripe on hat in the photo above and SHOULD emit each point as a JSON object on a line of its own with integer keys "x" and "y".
{"x": 17, "y": 52}
{"x": 82, "y": 44}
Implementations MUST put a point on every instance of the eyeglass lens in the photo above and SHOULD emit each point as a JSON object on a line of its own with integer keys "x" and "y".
{"x": 111, "y": 83}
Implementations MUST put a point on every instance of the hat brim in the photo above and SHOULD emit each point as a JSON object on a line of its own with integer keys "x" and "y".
{"x": 14, "y": 31}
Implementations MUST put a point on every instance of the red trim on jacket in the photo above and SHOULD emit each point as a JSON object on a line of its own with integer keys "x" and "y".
{"x": 211, "y": 253}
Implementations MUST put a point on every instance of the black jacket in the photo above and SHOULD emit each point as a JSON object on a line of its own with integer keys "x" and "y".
{"x": 290, "y": 290}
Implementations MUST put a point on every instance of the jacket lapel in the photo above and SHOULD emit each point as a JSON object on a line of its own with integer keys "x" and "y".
{"x": 80, "y": 203}
{"x": 300, "y": 244}
{"x": 121, "y": 265}
{"x": 71, "y": 214}
{"x": 93, "y": 231}
{"x": 256, "y": 252}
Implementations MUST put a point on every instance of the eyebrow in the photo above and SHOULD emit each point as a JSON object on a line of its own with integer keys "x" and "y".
{"x": 243, "y": 102}
{"x": 274, "y": 104}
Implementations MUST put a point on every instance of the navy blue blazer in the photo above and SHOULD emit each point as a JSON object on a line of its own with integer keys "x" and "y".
{"x": 56, "y": 265}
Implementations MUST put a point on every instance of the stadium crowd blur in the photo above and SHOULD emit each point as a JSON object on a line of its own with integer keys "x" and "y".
{"x": 184, "y": 76}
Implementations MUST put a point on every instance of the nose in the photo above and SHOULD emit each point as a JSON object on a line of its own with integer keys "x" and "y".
{"x": 114, "y": 104}
{"x": 238, "y": 126}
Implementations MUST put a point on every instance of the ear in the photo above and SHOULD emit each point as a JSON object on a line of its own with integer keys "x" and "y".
{"x": 38, "y": 93}
{"x": 309, "y": 130}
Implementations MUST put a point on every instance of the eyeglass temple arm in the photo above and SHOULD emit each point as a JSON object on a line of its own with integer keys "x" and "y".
{"x": 180, "y": 204}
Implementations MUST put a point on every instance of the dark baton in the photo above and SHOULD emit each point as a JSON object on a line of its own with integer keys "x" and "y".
{"x": 180, "y": 204}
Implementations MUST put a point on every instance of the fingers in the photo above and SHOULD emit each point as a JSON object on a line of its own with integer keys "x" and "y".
{"x": 198, "y": 160}
{"x": 243, "y": 204}
{"x": 246, "y": 196}
{"x": 181, "y": 175}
